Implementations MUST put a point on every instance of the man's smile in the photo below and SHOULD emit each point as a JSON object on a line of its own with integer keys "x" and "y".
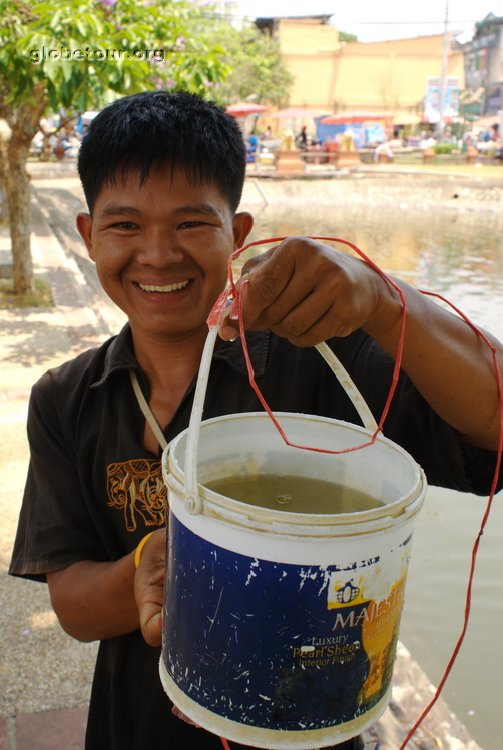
{"x": 165, "y": 288}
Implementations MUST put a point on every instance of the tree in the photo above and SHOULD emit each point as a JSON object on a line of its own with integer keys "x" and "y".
{"x": 256, "y": 67}
{"x": 70, "y": 56}
{"x": 345, "y": 36}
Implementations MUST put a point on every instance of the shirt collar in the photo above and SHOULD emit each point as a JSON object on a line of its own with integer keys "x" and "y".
{"x": 120, "y": 355}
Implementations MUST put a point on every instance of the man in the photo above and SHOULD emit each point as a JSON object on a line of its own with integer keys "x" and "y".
{"x": 162, "y": 174}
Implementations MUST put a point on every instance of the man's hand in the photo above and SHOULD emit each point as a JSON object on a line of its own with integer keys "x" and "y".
{"x": 149, "y": 587}
{"x": 307, "y": 292}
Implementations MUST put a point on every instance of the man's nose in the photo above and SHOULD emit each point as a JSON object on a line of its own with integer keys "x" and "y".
{"x": 160, "y": 247}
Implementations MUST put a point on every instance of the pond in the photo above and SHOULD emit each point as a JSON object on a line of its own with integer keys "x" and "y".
{"x": 458, "y": 254}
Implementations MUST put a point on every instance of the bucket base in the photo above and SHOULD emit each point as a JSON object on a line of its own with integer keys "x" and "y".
{"x": 271, "y": 739}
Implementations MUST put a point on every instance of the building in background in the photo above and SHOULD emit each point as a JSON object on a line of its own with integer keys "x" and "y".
{"x": 484, "y": 69}
{"x": 394, "y": 78}
{"x": 433, "y": 98}
{"x": 310, "y": 47}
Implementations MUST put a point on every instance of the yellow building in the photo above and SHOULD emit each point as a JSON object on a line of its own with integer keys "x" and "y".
{"x": 383, "y": 77}
{"x": 391, "y": 77}
{"x": 310, "y": 48}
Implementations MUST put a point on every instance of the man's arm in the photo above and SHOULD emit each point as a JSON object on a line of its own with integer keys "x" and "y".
{"x": 448, "y": 363}
{"x": 96, "y": 600}
{"x": 308, "y": 292}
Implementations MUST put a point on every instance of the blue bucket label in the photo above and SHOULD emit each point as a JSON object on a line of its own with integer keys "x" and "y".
{"x": 275, "y": 645}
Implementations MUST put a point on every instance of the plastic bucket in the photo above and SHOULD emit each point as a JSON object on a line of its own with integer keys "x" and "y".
{"x": 280, "y": 628}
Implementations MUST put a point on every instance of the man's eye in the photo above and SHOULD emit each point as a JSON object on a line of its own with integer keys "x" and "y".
{"x": 124, "y": 225}
{"x": 191, "y": 224}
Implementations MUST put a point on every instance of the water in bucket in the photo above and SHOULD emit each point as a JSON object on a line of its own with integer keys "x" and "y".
{"x": 281, "y": 623}
{"x": 296, "y": 494}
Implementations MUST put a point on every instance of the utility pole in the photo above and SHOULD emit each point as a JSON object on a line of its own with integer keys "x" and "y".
{"x": 443, "y": 77}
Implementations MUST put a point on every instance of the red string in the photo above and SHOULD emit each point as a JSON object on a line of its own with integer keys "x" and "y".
{"x": 475, "y": 548}
{"x": 236, "y": 312}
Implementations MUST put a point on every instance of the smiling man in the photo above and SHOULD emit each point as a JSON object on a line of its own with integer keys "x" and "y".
{"x": 161, "y": 250}
{"x": 163, "y": 175}
{"x": 161, "y": 247}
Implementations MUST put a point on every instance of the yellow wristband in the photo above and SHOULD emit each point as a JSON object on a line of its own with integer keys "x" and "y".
{"x": 139, "y": 549}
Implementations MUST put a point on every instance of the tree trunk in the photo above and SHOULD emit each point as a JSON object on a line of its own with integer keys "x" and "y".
{"x": 24, "y": 125}
{"x": 4, "y": 176}
{"x": 19, "y": 210}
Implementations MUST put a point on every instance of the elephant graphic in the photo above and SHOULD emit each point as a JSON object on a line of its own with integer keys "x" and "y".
{"x": 136, "y": 487}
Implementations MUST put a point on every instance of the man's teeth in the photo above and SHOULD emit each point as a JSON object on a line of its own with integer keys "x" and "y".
{"x": 165, "y": 288}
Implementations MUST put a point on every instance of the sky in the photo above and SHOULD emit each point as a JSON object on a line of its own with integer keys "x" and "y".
{"x": 378, "y": 20}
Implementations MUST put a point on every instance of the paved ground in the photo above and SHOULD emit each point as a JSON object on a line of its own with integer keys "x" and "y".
{"x": 45, "y": 675}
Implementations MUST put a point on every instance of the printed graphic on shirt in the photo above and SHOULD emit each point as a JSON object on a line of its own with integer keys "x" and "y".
{"x": 136, "y": 487}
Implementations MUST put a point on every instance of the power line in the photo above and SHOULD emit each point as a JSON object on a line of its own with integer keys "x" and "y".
{"x": 347, "y": 22}
{"x": 407, "y": 23}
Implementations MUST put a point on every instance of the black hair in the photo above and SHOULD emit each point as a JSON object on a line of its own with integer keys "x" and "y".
{"x": 155, "y": 127}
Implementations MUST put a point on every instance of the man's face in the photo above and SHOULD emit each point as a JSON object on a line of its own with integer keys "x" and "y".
{"x": 161, "y": 249}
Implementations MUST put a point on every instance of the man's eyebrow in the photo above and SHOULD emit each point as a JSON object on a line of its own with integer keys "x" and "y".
{"x": 120, "y": 209}
{"x": 197, "y": 208}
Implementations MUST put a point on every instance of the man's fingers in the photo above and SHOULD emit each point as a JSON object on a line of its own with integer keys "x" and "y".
{"x": 304, "y": 291}
{"x": 263, "y": 280}
{"x": 149, "y": 587}
{"x": 149, "y": 593}
{"x": 257, "y": 260}
{"x": 265, "y": 284}
{"x": 151, "y": 624}
{"x": 267, "y": 278}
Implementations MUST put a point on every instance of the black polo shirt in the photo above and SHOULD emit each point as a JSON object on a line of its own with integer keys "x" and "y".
{"x": 93, "y": 491}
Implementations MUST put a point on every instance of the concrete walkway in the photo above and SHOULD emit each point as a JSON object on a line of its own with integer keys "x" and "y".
{"x": 45, "y": 675}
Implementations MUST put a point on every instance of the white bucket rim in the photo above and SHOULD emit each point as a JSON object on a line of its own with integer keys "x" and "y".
{"x": 216, "y": 505}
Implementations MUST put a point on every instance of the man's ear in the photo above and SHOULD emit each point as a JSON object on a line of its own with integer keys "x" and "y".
{"x": 84, "y": 224}
{"x": 242, "y": 226}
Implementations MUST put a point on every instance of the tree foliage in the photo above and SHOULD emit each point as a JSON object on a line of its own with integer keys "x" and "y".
{"x": 68, "y": 56}
{"x": 83, "y": 51}
{"x": 346, "y": 36}
{"x": 257, "y": 71}
{"x": 74, "y": 55}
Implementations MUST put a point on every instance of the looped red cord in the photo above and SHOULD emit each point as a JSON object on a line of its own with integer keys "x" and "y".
{"x": 485, "y": 518}
{"x": 236, "y": 313}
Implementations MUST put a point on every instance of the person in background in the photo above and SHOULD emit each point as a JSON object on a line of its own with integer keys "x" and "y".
{"x": 288, "y": 139}
{"x": 383, "y": 152}
{"x": 252, "y": 143}
{"x": 163, "y": 174}
{"x": 302, "y": 138}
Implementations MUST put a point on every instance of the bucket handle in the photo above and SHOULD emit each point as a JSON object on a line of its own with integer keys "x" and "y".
{"x": 193, "y": 502}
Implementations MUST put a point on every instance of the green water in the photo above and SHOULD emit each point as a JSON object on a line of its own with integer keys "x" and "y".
{"x": 293, "y": 494}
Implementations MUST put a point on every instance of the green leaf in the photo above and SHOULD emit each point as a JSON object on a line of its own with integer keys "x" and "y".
{"x": 54, "y": 99}
{"x": 52, "y": 70}
{"x": 56, "y": 18}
